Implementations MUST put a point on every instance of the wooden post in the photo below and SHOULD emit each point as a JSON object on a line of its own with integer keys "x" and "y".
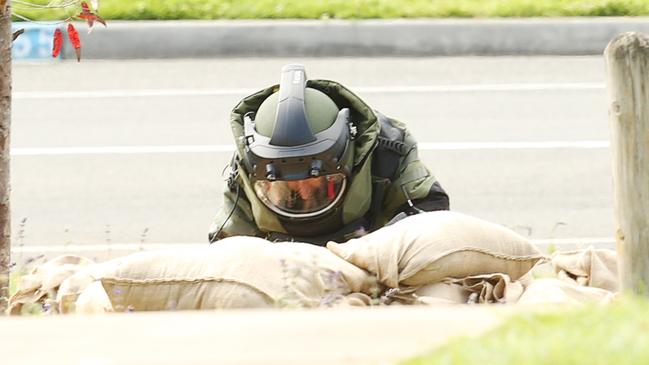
{"x": 5, "y": 123}
{"x": 627, "y": 63}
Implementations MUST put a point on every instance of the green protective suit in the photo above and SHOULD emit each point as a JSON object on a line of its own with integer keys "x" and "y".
{"x": 387, "y": 173}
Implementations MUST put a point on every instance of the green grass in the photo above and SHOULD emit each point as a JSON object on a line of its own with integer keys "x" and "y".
{"x": 14, "y": 279}
{"x": 616, "y": 334}
{"x": 348, "y": 9}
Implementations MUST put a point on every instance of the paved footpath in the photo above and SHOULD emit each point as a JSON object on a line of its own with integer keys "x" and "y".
{"x": 283, "y": 337}
{"x": 317, "y": 38}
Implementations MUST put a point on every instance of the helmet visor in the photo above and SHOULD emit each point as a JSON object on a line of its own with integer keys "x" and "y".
{"x": 301, "y": 198}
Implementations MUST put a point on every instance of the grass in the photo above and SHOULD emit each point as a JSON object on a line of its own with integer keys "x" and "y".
{"x": 347, "y": 9}
{"x": 616, "y": 334}
{"x": 14, "y": 279}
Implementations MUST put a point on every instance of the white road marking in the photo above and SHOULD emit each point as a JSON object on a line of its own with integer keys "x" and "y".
{"x": 426, "y": 146}
{"x": 584, "y": 242}
{"x": 126, "y": 93}
{"x": 103, "y": 247}
{"x": 454, "y": 146}
{"x": 109, "y": 150}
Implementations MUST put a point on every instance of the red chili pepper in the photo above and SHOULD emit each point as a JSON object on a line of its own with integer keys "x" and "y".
{"x": 73, "y": 35}
{"x": 57, "y": 42}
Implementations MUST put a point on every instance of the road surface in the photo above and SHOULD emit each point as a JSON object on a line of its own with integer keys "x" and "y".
{"x": 114, "y": 152}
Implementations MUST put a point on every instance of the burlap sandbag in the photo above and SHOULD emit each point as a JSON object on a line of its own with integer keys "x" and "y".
{"x": 43, "y": 282}
{"x": 442, "y": 293}
{"x": 353, "y": 300}
{"x": 490, "y": 288}
{"x": 93, "y": 300}
{"x": 589, "y": 267}
{"x": 238, "y": 272}
{"x": 72, "y": 287}
{"x": 555, "y": 291}
{"x": 428, "y": 247}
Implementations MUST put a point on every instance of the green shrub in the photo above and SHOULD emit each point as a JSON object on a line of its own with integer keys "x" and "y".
{"x": 346, "y": 9}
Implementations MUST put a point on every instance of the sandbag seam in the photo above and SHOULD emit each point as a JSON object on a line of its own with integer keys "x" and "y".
{"x": 144, "y": 282}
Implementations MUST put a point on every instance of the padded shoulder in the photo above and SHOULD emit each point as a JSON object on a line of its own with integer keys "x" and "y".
{"x": 392, "y": 146}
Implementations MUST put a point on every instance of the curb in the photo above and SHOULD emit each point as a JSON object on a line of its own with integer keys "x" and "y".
{"x": 363, "y": 38}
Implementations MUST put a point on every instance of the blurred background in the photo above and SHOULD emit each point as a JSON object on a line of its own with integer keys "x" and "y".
{"x": 125, "y": 149}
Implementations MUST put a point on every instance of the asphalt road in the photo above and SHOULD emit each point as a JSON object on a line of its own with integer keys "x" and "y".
{"x": 485, "y": 127}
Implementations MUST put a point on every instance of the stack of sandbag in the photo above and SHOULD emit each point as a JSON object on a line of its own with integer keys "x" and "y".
{"x": 588, "y": 267}
{"x": 478, "y": 289}
{"x": 556, "y": 291}
{"x": 238, "y": 272}
{"x": 585, "y": 275}
{"x": 39, "y": 288}
{"x": 430, "y": 258}
{"x": 445, "y": 257}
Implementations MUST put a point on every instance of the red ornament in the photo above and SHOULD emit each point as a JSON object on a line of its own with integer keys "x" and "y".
{"x": 73, "y": 35}
{"x": 57, "y": 42}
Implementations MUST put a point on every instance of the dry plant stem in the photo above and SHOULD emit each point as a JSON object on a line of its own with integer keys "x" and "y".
{"x": 627, "y": 61}
{"x": 5, "y": 123}
{"x": 47, "y": 6}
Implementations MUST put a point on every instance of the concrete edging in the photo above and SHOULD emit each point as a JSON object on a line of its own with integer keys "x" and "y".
{"x": 401, "y": 37}
{"x": 345, "y": 336}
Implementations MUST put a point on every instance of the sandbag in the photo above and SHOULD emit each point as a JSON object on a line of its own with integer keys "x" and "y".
{"x": 589, "y": 267}
{"x": 482, "y": 289}
{"x": 237, "y": 272}
{"x": 555, "y": 291}
{"x": 43, "y": 282}
{"x": 428, "y": 247}
{"x": 93, "y": 300}
{"x": 72, "y": 287}
{"x": 352, "y": 300}
{"x": 442, "y": 293}
{"x": 490, "y": 288}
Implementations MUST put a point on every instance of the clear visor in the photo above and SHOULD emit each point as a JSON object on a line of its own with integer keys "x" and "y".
{"x": 301, "y": 198}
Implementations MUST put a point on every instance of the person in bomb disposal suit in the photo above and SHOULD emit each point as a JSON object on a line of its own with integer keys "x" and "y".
{"x": 314, "y": 163}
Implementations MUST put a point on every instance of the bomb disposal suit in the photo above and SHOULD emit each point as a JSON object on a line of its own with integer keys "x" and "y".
{"x": 314, "y": 163}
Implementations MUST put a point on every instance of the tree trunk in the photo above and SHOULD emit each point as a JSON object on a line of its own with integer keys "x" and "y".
{"x": 627, "y": 61}
{"x": 5, "y": 123}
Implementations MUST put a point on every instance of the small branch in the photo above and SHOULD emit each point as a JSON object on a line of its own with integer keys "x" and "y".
{"x": 17, "y": 33}
{"x": 51, "y": 5}
{"x": 42, "y": 23}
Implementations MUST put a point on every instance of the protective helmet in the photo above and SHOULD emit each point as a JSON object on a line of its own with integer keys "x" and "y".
{"x": 298, "y": 152}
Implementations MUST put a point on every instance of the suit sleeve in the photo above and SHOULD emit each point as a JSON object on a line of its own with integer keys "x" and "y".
{"x": 414, "y": 183}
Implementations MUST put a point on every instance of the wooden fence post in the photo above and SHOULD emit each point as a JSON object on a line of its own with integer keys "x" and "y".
{"x": 5, "y": 123}
{"x": 627, "y": 64}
